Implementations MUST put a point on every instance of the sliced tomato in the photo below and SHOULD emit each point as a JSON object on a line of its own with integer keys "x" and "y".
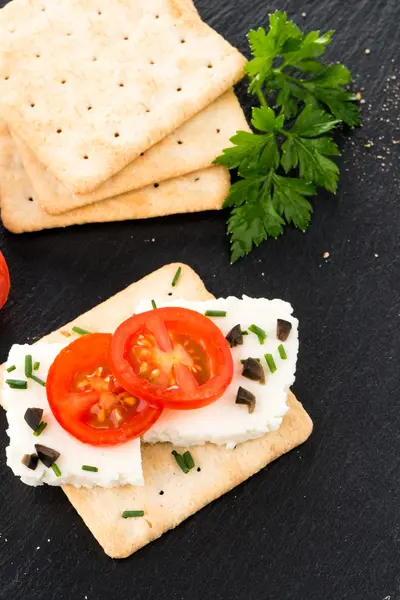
{"x": 172, "y": 357}
{"x": 88, "y": 401}
{"x": 4, "y": 280}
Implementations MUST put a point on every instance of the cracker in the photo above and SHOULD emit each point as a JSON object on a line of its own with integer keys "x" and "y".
{"x": 89, "y": 85}
{"x": 183, "y": 495}
{"x": 192, "y": 147}
{"x": 20, "y": 212}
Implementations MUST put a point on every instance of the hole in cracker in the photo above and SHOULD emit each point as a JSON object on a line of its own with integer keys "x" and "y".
{"x": 86, "y": 157}
{"x": 89, "y": 107}
{"x": 161, "y": 493}
{"x": 180, "y": 142}
{"x": 59, "y": 130}
{"x": 218, "y": 130}
{"x": 152, "y": 62}
{"x": 126, "y": 38}
{"x": 63, "y": 81}
{"x": 121, "y": 84}
{"x": 157, "y": 16}
{"x": 209, "y": 66}
{"x": 116, "y": 134}
{"x": 32, "y": 105}
{"x": 30, "y": 199}
{"x": 147, "y": 110}
{"x": 169, "y": 293}
{"x": 183, "y": 41}
{"x": 37, "y": 55}
{"x": 197, "y": 178}
{"x": 68, "y": 34}
{"x": 178, "y": 89}
{"x": 198, "y": 469}
{"x": 142, "y": 153}
{"x": 156, "y": 185}
{"x": 6, "y": 78}
{"x": 94, "y": 59}
{"x": 99, "y": 12}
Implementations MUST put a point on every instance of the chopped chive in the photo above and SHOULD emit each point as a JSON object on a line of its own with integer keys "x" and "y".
{"x": 89, "y": 468}
{"x": 28, "y": 365}
{"x": 245, "y": 332}
{"x": 43, "y": 383}
{"x": 260, "y": 333}
{"x": 244, "y": 360}
{"x": 154, "y": 305}
{"x": 36, "y": 365}
{"x": 41, "y": 428}
{"x": 127, "y": 514}
{"x": 215, "y": 313}
{"x": 188, "y": 458}
{"x": 81, "y": 331}
{"x": 180, "y": 461}
{"x": 11, "y": 369}
{"x": 17, "y": 384}
{"x": 176, "y": 276}
{"x": 282, "y": 352}
{"x": 56, "y": 470}
{"x": 270, "y": 362}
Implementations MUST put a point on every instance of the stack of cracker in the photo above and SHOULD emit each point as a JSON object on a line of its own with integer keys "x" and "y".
{"x": 112, "y": 111}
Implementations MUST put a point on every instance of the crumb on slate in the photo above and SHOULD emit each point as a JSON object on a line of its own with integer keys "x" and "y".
{"x": 326, "y": 255}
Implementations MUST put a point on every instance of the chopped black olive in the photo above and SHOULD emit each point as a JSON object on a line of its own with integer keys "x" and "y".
{"x": 33, "y": 416}
{"x": 30, "y": 461}
{"x": 47, "y": 456}
{"x": 283, "y": 328}
{"x": 235, "y": 336}
{"x": 247, "y": 398}
{"x": 252, "y": 369}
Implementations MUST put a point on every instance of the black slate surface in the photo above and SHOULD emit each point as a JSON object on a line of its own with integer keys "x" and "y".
{"x": 324, "y": 521}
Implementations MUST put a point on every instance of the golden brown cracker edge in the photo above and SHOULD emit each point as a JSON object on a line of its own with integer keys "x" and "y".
{"x": 192, "y": 147}
{"x": 20, "y": 211}
{"x": 183, "y": 495}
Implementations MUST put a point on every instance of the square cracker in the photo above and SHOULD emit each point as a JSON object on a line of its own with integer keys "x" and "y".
{"x": 20, "y": 211}
{"x": 221, "y": 469}
{"x": 191, "y": 147}
{"x": 89, "y": 85}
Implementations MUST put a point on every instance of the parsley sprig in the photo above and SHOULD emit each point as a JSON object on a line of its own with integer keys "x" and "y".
{"x": 287, "y": 158}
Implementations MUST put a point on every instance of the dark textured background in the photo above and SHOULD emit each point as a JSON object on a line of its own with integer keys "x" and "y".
{"x": 323, "y": 522}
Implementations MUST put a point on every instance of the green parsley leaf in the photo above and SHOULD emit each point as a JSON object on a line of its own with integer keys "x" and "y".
{"x": 288, "y": 157}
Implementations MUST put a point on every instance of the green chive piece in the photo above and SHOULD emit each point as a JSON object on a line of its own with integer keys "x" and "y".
{"x": 28, "y": 365}
{"x": 56, "y": 470}
{"x": 89, "y": 468}
{"x": 176, "y": 276}
{"x": 260, "y": 333}
{"x": 40, "y": 381}
{"x": 180, "y": 461}
{"x": 11, "y": 369}
{"x": 36, "y": 365}
{"x": 81, "y": 331}
{"x": 154, "y": 305}
{"x": 188, "y": 458}
{"x": 245, "y": 332}
{"x": 41, "y": 428}
{"x": 127, "y": 514}
{"x": 270, "y": 362}
{"x": 17, "y": 384}
{"x": 282, "y": 352}
{"x": 215, "y": 313}
{"x": 244, "y": 360}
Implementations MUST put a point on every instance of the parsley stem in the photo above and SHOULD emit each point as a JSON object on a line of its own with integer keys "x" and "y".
{"x": 261, "y": 96}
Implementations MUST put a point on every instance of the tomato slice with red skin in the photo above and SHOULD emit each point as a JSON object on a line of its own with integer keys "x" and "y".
{"x": 172, "y": 357}
{"x": 88, "y": 401}
{"x": 4, "y": 281}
